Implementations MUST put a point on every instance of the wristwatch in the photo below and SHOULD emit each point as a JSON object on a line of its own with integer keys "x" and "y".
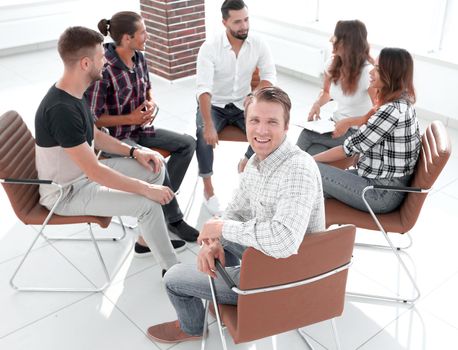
{"x": 132, "y": 150}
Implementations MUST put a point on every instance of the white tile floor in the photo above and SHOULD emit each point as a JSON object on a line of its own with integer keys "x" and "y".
{"x": 118, "y": 318}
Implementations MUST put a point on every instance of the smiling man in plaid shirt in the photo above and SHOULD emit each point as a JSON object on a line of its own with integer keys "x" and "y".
{"x": 278, "y": 201}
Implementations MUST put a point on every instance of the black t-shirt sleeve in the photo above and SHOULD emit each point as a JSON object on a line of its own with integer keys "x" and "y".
{"x": 66, "y": 125}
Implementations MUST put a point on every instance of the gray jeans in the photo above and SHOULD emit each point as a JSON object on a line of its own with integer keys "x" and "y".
{"x": 186, "y": 287}
{"x": 347, "y": 187}
{"x": 314, "y": 143}
{"x": 90, "y": 198}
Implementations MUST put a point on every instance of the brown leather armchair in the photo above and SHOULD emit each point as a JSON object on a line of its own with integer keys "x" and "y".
{"x": 434, "y": 154}
{"x": 19, "y": 178}
{"x": 278, "y": 295}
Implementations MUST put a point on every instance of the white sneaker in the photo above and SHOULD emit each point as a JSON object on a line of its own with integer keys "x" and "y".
{"x": 213, "y": 206}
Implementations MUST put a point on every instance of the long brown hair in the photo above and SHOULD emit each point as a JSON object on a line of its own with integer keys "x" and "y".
{"x": 346, "y": 67}
{"x": 395, "y": 67}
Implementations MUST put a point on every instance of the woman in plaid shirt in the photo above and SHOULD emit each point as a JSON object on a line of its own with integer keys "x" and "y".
{"x": 387, "y": 146}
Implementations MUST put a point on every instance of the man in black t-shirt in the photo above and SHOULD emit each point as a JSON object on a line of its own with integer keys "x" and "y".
{"x": 65, "y": 141}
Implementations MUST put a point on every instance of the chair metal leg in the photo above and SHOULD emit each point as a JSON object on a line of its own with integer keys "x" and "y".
{"x": 49, "y": 241}
{"x": 98, "y": 239}
{"x": 398, "y": 257}
{"x": 383, "y": 246}
{"x": 191, "y": 200}
{"x": 335, "y": 333}
{"x": 205, "y": 332}
{"x": 119, "y": 221}
{"x": 304, "y": 338}
{"x": 218, "y": 319}
{"x": 99, "y": 255}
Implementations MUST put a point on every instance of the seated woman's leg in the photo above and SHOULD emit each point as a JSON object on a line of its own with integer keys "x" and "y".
{"x": 347, "y": 186}
{"x": 314, "y": 143}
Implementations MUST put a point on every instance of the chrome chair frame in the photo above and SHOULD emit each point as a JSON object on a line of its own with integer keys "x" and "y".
{"x": 233, "y": 286}
{"x": 49, "y": 240}
{"x": 390, "y": 246}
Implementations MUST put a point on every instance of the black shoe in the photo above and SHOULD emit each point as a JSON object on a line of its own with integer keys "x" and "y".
{"x": 184, "y": 231}
{"x": 178, "y": 245}
{"x": 142, "y": 251}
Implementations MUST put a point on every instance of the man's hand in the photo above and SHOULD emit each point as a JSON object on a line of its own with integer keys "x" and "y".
{"x": 211, "y": 230}
{"x": 341, "y": 128}
{"x": 141, "y": 115}
{"x": 160, "y": 194}
{"x": 149, "y": 159}
{"x": 150, "y": 106}
{"x": 207, "y": 255}
{"x": 210, "y": 135}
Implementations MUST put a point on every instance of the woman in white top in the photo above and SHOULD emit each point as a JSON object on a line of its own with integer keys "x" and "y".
{"x": 346, "y": 81}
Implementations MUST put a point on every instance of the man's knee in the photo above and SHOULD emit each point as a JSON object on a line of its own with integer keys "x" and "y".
{"x": 174, "y": 277}
{"x": 156, "y": 178}
{"x": 147, "y": 206}
{"x": 190, "y": 143}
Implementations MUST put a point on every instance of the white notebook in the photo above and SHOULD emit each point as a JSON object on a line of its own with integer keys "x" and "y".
{"x": 321, "y": 126}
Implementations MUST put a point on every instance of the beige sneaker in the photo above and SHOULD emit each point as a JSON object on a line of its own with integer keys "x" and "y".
{"x": 169, "y": 332}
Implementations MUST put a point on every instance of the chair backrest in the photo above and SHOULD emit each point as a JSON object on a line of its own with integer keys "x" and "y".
{"x": 17, "y": 160}
{"x": 162, "y": 152}
{"x": 266, "y": 314}
{"x": 232, "y": 133}
{"x": 434, "y": 154}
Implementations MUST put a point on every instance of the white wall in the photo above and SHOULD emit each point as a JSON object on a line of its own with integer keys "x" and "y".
{"x": 34, "y": 22}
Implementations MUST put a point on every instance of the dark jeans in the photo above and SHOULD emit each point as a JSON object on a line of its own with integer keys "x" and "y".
{"x": 229, "y": 115}
{"x": 181, "y": 148}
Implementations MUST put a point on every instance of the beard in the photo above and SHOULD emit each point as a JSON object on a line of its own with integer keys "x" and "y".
{"x": 239, "y": 35}
{"x": 95, "y": 75}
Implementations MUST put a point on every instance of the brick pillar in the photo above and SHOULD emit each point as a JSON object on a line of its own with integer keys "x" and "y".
{"x": 176, "y": 31}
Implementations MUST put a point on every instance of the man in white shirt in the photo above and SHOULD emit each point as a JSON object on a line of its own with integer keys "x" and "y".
{"x": 225, "y": 66}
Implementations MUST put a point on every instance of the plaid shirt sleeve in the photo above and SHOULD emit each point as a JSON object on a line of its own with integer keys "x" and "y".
{"x": 377, "y": 129}
{"x": 280, "y": 232}
{"x": 96, "y": 96}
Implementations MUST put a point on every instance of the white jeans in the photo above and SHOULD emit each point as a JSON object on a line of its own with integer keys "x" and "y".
{"x": 90, "y": 198}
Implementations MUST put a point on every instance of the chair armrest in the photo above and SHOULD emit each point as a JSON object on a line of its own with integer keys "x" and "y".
{"x": 222, "y": 271}
{"x": 233, "y": 286}
{"x": 27, "y": 181}
{"x": 399, "y": 188}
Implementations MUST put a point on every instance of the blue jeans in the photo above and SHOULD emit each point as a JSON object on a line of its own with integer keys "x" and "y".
{"x": 347, "y": 186}
{"x": 229, "y": 115}
{"x": 186, "y": 287}
{"x": 314, "y": 143}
